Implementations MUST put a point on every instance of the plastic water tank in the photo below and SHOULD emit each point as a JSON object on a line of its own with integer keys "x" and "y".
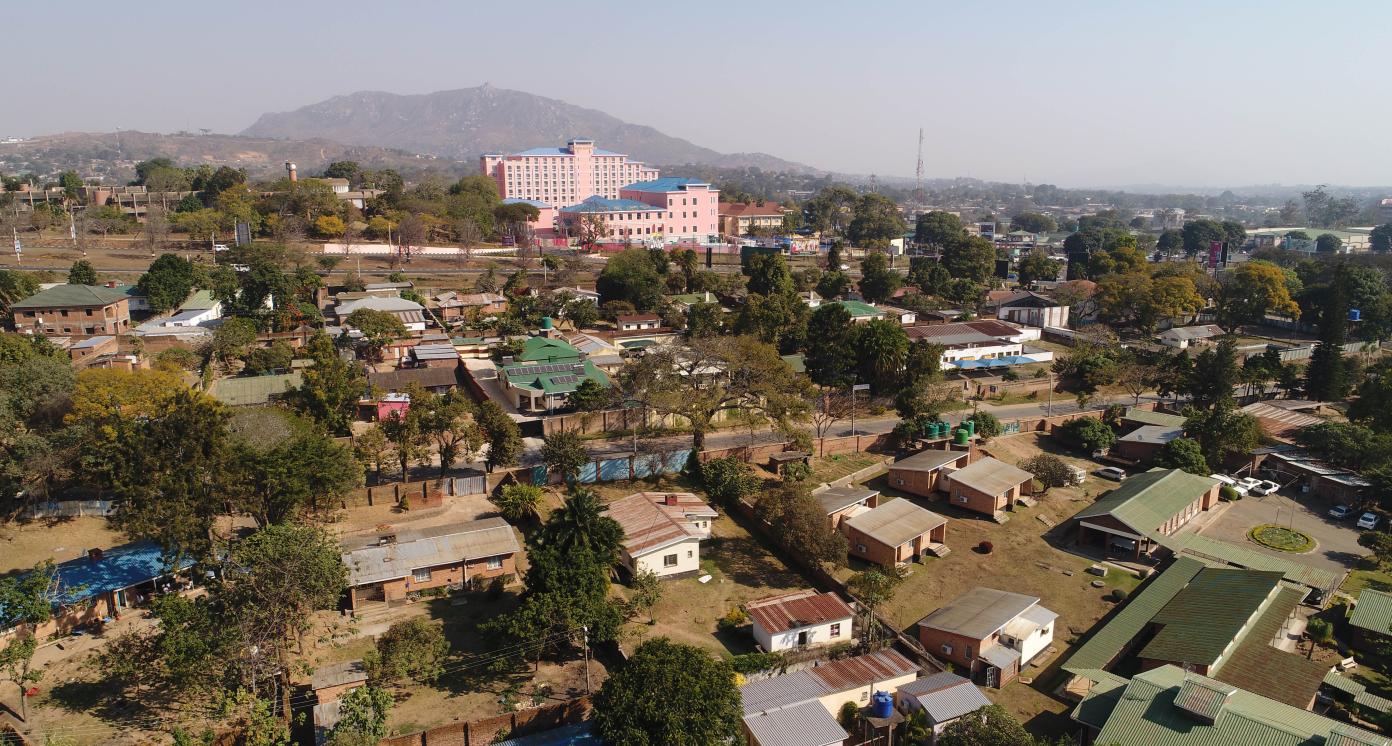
{"x": 961, "y": 437}
{"x": 971, "y": 427}
{"x": 881, "y": 705}
{"x": 1355, "y": 314}
{"x": 545, "y": 322}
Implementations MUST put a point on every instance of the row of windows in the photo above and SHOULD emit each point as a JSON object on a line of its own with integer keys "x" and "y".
{"x": 422, "y": 574}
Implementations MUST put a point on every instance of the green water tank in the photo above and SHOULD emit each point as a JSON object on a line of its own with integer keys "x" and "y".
{"x": 545, "y": 322}
{"x": 962, "y": 437}
{"x": 971, "y": 427}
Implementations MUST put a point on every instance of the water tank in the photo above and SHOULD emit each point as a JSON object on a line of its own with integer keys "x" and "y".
{"x": 545, "y": 322}
{"x": 961, "y": 437}
{"x": 881, "y": 705}
{"x": 971, "y": 427}
{"x": 1355, "y": 314}
{"x": 940, "y": 429}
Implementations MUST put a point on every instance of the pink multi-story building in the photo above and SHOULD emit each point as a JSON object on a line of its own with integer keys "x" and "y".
{"x": 669, "y": 209}
{"x": 564, "y": 176}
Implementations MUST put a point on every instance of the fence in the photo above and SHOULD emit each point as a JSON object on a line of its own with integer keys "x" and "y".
{"x": 391, "y": 494}
{"x": 620, "y": 468}
{"x": 489, "y": 730}
{"x": 68, "y": 509}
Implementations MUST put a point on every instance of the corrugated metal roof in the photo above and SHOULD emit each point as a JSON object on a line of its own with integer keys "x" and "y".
{"x": 337, "y": 674}
{"x": 803, "y": 724}
{"x": 849, "y": 673}
{"x": 441, "y": 545}
{"x": 1373, "y": 612}
{"x": 945, "y": 696}
{"x": 1210, "y": 551}
{"x": 896, "y": 522}
{"x": 929, "y": 460}
{"x": 840, "y": 498}
{"x": 1098, "y": 703}
{"x": 990, "y": 476}
{"x": 650, "y": 524}
{"x": 1146, "y": 501}
{"x": 781, "y": 691}
{"x": 72, "y": 295}
{"x": 979, "y": 612}
{"x": 798, "y": 609}
{"x": 1148, "y": 417}
{"x": 1203, "y": 697}
{"x": 1256, "y": 666}
{"x": 1157, "y": 434}
{"x": 1107, "y": 642}
{"x": 1204, "y": 618}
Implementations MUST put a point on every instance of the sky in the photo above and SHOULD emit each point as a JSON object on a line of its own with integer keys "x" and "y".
{"x": 1078, "y": 93}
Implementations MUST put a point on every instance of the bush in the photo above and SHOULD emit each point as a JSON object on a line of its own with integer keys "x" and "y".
{"x": 728, "y": 480}
{"x": 733, "y": 619}
{"x": 1089, "y": 433}
{"x": 1118, "y": 595}
{"x": 751, "y": 662}
{"x": 1226, "y": 493}
{"x": 987, "y": 425}
{"x": 1010, "y": 375}
{"x": 850, "y": 715}
{"x": 797, "y": 471}
{"x": 986, "y": 547}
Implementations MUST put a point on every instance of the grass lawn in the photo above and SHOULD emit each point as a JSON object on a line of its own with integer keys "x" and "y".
{"x": 1366, "y": 577}
{"x": 1281, "y": 538}
{"x": 23, "y": 545}
{"x": 839, "y": 465}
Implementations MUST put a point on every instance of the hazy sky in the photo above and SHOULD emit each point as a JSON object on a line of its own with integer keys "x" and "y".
{"x": 1070, "y": 93}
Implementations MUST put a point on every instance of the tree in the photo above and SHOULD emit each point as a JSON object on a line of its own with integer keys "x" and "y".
{"x": 24, "y": 600}
{"x": 371, "y": 446}
{"x": 647, "y": 591}
{"x": 876, "y": 221}
{"x": 970, "y": 258}
{"x": 1380, "y": 543}
{"x": 630, "y": 276}
{"x": 938, "y": 228}
{"x": 329, "y": 226}
{"x": 591, "y": 396}
{"x": 283, "y": 573}
{"x": 362, "y": 719}
{"x": 987, "y": 425}
{"x": 882, "y": 348}
{"x": 274, "y": 481}
{"x": 1199, "y": 234}
{"x": 768, "y": 275}
{"x": 167, "y": 282}
{"x": 634, "y": 706}
{"x": 1223, "y": 432}
{"x": 330, "y": 388}
{"x": 1251, "y": 290}
{"x": 1089, "y": 433}
{"x": 581, "y": 312}
{"x": 82, "y": 273}
{"x": 1182, "y": 453}
{"x": 1381, "y": 238}
{"x": 1036, "y": 265}
{"x": 798, "y": 520}
{"x": 502, "y": 435}
{"x": 1170, "y": 243}
{"x": 408, "y": 442}
{"x": 449, "y": 420}
{"x": 1033, "y": 222}
{"x": 728, "y": 480}
{"x": 831, "y": 337}
{"x": 1328, "y": 243}
{"x": 1214, "y": 376}
{"x": 990, "y": 726}
{"x": 833, "y": 284}
{"x": 564, "y": 453}
{"x": 232, "y": 338}
{"x": 518, "y": 502}
{"x": 263, "y": 360}
{"x": 1049, "y": 470}
{"x": 414, "y": 649}
{"x": 379, "y": 328}
{"x": 877, "y": 281}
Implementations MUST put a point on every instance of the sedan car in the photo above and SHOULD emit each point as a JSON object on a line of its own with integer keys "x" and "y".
{"x": 1250, "y": 484}
{"x": 1265, "y": 487}
{"x": 1340, "y": 511}
{"x": 1368, "y": 521}
{"x": 1111, "y": 472}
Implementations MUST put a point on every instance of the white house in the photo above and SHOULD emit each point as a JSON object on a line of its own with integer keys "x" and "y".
{"x": 800, "y": 619}
{"x": 1184, "y": 336}
{"x": 633, "y": 322}
{"x": 663, "y": 532}
{"x": 1029, "y": 309}
{"x": 411, "y": 313}
{"x": 943, "y": 698}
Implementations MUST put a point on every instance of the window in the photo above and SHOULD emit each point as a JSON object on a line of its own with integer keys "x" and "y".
{"x": 495, "y": 563}
{"x": 669, "y": 560}
{"x": 421, "y": 575}
{"x": 946, "y": 649}
{"x": 961, "y": 498}
{"x": 690, "y": 554}
{"x": 836, "y": 630}
{"x": 860, "y": 548}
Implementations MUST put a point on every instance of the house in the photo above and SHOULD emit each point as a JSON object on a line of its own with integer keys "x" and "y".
{"x": 663, "y": 532}
{"x": 73, "y": 310}
{"x": 546, "y": 387}
{"x": 577, "y": 293}
{"x": 811, "y": 298}
{"x": 841, "y": 503}
{"x": 328, "y": 684}
{"x": 1168, "y": 706}
{"x": 991, "y": 633}
{"x": 895, "y": 533}
{"x": 983, "y": 342}
{"x": 1144, "y": 442}
{"x": 1184, "y": 336}
{"x": 1283, "y": 418}
{"x": 451, "y": 306}
{"x": 84, "y": 351}
{"x": 685, "y": 301}
{"x": 922, "y": 473}
{"x": 742, "y": 218}
{"x": 860, "y": 311}
{"x": 1133, "y": 517}
{"x": 1371, "y": 620}
{"x": 438, "y": 355}
{"x": 632, "y": 322}
{"x": 1137, "y": 417}
{"x": 800, "y": 708}
{"x": 606, "y": 355}
{"x": 1028, "y": 308}
{"x": 410, "y": 313}
{"x": 800, "y": 619}
{"x": 438, "y": 380}
{"x": 254, "y": 391}
{"x": 987, "y": 486}
{"x": 1298, "y": 468}
{"x": 390, "y": 565}
{"x": 942, "y": 698}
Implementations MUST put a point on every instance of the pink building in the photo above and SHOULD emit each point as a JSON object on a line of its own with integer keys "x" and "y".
{"x": 668, "y": 210}
{"x": 564, "y": 176}
{"x": 545, "y": 224}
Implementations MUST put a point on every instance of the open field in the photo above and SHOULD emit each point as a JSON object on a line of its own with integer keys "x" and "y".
{"x": 23, "y": 545}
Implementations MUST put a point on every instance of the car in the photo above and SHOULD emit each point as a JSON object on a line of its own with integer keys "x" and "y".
{"x": 1249, "y": 483}
{"x": 220, "y": 247}
{"x": 1111, "y": 472}
{"x": 1265, "y": 487}
{"x": 1226, "y": 480}
{"x": 1369, "y": 521}
{"x": 1340, "y": 511}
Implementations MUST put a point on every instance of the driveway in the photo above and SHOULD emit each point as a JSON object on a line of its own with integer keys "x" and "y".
{"x": 1337, "y": 550}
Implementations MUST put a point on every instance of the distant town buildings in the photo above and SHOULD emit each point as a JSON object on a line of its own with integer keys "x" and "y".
{"x": 564, "y": 176}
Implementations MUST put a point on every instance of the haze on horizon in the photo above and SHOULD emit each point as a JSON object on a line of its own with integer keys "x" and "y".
{"x": 1076, "y": 94}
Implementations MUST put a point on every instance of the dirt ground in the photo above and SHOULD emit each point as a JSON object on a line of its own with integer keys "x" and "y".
{"x": 23, "y": 545}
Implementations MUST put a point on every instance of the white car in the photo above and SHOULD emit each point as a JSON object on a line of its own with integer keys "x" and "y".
{"x": 220, "y": 247}
{"x": 1250, "y": 484}
{"x": 1266, "y": 487}
{"x": 1340, "y": 511}
{"x": 1112, "y": 473}
{"x": 1368, "y": 521}
{"x": 1229, "y": 481}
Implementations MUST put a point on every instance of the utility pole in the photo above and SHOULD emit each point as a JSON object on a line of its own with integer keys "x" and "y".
{"x": 918, "y": 172}
{"x": 586, "y": 630}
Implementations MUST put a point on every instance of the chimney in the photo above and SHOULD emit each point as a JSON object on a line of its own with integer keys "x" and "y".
{"x": 290, "y": 171}
{"x": 94, "y": 555}
{"x": 111, "y": 284}
{"x": 672, "y": 500}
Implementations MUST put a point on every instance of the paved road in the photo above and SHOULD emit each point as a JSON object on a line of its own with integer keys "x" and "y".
{"x": 1337, "y": 550}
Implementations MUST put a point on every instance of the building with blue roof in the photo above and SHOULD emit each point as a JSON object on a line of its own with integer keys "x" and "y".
{"x": 563, "y": 176}
{"x": 666, "y": 184}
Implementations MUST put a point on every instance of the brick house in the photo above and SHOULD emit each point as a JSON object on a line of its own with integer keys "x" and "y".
{"x": 1370, "y": 624}
{"x": 920, "y": 474}
{"x": 73, "y": 310}
{"x": 841, "y": 503}
{"x": 991, "y": 633}
{"x": 1130, "y": 518}
{"x": 895, "y": 533}
{"x": 385, "y": 567}
{"x": 988, "y": 486}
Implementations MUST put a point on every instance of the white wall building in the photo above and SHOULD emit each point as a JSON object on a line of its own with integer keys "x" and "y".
{"x": 800, "y": 619}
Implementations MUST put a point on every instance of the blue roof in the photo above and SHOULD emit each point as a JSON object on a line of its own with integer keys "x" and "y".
{"x": 600, "y": 204}
{"x": 519, "y": 200}
{"x": 545, "y": 151}
{"x": 566, "y": 735}
{"x": 119, "y": 568}
{"x": 666, "y": 184}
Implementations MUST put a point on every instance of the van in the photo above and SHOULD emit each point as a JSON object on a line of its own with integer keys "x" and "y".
{"x": 1077, "y": 473}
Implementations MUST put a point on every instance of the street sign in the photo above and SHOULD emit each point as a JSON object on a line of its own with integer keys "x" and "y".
{"x": 861, "y": 387}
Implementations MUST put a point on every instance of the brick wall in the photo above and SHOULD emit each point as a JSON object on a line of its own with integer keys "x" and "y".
{"x": 486, "y": 730}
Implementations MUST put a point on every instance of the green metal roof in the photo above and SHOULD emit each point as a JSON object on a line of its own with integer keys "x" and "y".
{"x": 525, "y": 375}
{"x": 1212, "y": 551}
{"x": 199, "y": 301}
{"x": 72, "y": 295}
{"x": 1107, "y": 642}
{"x": 1098, "y": 703}
{"x": 1204, "y": 618}
{"x": 858, "y": 309}
{"x": 1203, "y": 697}
{"x": 1373, "y": 612}
{"x": 1146, "y": 714}
{"x": 1147, "y": 417}
{"x": 253, "y": 390}
{"x": 1257, "y": 667}
{"x": 1359, "y": 692}
{"x": 1146, "y": 501}
{"x": 547, "y": 350}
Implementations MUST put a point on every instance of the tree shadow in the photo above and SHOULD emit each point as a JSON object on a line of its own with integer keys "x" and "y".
{"x": 99, "y": 699}
{"x": 748, "y": 561}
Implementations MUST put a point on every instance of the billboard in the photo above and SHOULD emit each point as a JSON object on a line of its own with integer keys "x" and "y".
{"x": 1215, "y": 253}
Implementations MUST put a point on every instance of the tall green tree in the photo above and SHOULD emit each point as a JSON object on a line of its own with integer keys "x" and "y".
{"x": 331, "y": 386}
{"x": 564, "y": 453}
{"x": 938, "y": 228}
{"x": 629, "y": 276}
{"x": 990, "y": 726}
{"x": 970, "y": 258}
{"x": 501, "y": 434}
{"x": 633, "y": 708}
{"x": 82, "y": 273}
{"x": 24, "y": 600}
{"x": 168, "y": 282}
{"x": 362, "y": 719}
{"x": 877, "y": 281}
{"x": 882, "y": 348}
{"x": 831, "y": 351}
{"x": 875, "y": 221}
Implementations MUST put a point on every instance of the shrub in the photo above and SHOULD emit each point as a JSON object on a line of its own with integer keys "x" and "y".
{"x": 1228, "y": 494}
{"x": 850, "y": 715}
{"x": 750, "y": 662}
{"x": 1089, "y": 433}
{"x": 733, "y": 619}
{"x": 986, "y": 547}
{"x": 1118, "y": 595}
{"x": 797, "y": 471}
{"x": 987, "y": 425}
{"x": 1010, "y": 375}
{"x": 728, "y": 479}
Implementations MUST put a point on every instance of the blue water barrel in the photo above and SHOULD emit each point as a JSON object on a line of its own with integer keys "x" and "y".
{"x": 881, "y": 705}
{"x": 1355, "y": 314}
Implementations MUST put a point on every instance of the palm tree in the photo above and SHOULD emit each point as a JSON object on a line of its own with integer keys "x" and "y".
{"x": 581, "y": 526}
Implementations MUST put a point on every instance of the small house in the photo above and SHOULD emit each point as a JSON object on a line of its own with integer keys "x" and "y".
{"x": 390, "y": 565}
{"x": 1130, "y": 519}
{"x": 663, "y": 532}
{"x": 988, "y": 486}
{"x": 1183, "y": 337}
{"x": 895, "y": 533}
{"x": 942, "y": 697}
{"x": 1144, "y": 442}
{"x": 104, "y": 582}
{"x": 991, "y": 633}
{"x": 800, "y": 619}
{"x": 841, "y": 503}
{"x": 1371, "y": 620}
{"x": 329, "y": 683}
{"x": 921, "y": 474}
{"x": 633, "y": 322}
{"x": 801, "y": 708}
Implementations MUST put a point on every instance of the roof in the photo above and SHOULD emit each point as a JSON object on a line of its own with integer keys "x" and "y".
{"x": 990, "y": 476}
{"x": 1193, "y": 332}
{"x": 519, "y": 201}
{"x": 1212, "y": 551}
{"x": 650, "y": 524}
{"x": 1098, "y": 703}
{"x": 751, "y": 210}
{"x": 634, "y": 317}
{"x": 840, "y": 498}
{"x": 377, "y": 303}
{"x": 97, "y": 341}
{"x": 247, "y": 391}
{"x": 803, "y": 724}
{"x": 72, "y": 295}
{"x": 434, "y": 352}
{"x": 370, "y": 561}
{"x": 850, "y": 673}
{"x": 119, "y": 568}
{"x": 1147, "y": 714}
{"x": 1155, "y": 434}
{"x": 781, "y": 691}
{"x": 553, "y": 378}
{"x": 796, "y": 363}
{"x": 964, "y": 333}
{"x": 1373, "y": 612}
{"x": 929, "y": 460}
{"x": 945, "y": 696}
{"x": 1146, "y": 501}
{"x": 896, "y": 522}
{"x": 1212, "y": 611}
{"x": 1022, "y": 299}
{"x": 337, "y": 674}
{"x": 1107, "y": 641}
{"x": 1257, "y": 666}
{"x": 399, "y": 378}
{"x": 599, "y": 204}
{"x": 797, "y": 609}
{"x": 1278, "y": 421}
{"x": 1148, "y": 417}
{"x": 979, "y": 612}
{"x": 547, "y": 350}
{"x": 201, "y": 300}
{"x": 858, "y": 309}
{"x": 665, "y": 184}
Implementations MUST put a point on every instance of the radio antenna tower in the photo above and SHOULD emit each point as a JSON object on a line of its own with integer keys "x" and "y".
{"x": 918, "y": 172}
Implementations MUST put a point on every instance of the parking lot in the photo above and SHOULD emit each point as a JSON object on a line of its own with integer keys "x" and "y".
{"x": 1337, "y": 547}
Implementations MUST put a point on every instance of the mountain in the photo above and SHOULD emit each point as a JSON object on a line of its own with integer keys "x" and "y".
{"x": 466, "y": 123}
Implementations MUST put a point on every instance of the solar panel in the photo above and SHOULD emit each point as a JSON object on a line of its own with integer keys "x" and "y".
{"x": 565, "y": 379}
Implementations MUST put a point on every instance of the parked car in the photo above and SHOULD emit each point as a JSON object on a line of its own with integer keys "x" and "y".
{"x": 1369, "y": 521}
{"x": 1250, "y": 484}
{"x": 1077, "y": 474}
{"x": 1111, "y": 472}
{"x": 1229, "y": 481}
{"x": 1265, "y": 487}
{"x": 220, "y": 247}
{"x": 1340, "y": 511}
